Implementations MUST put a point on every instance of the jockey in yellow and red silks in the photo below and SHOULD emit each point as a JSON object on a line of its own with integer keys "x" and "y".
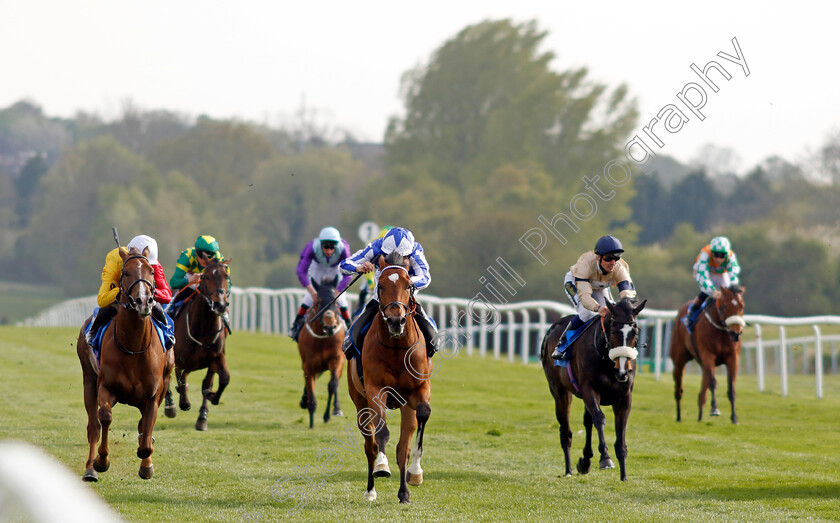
{"x": 716, "y": 267}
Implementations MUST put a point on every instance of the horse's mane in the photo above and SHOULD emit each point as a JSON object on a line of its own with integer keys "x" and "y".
{"x": 736, "y": 288}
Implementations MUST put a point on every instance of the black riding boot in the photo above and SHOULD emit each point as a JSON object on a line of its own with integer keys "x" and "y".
{"x": 563, "y": 342}
{"x": 294, "y": 330}
{"x": 429, "y": 331}
{"x": 354, "y": 336}
{"x": 102, "y": 318}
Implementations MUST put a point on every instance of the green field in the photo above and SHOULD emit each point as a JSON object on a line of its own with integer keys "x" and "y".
{"x": 492, "y": 450}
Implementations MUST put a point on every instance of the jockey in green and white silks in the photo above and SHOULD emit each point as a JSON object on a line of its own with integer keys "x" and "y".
{"x": 716, "y": 267}
{"x": 400, "y": 241}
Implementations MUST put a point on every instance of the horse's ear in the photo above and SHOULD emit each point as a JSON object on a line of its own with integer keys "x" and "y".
{"x": 638, "y": 309}
{"x": 382, "y": 263}
{"x": 611, "y": 307}
{"x": 226, "y": 261}
{"x": 743, "y": 289}
{"x": 316, "y": 286}
{"x": 146, "y": 252}
{"x": 123, "y": 253}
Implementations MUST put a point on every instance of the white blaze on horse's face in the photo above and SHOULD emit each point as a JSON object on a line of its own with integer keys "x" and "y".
{"x": 626, "y": 330}
{"x": 394, "y": 277}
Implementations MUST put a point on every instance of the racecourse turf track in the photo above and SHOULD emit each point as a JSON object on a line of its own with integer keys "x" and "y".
{"x": 492, "y": 450}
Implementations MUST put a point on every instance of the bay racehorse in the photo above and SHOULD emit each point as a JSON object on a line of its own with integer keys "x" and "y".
{"x": 396, "y": 375}
{"x": 716, "y": 341}
{"x": 201, "y": 330}
{"x": 133, "y": 367}
{"x": 600, "y": 371}
{"x": 319, "y": 344}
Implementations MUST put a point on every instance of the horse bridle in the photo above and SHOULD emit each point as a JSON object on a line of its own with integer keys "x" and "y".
{"x": 207, "y": 297}
{"x": 132, "y": 305}
{"x": 735, "y": 318}
{"x": 607, "y": 343}
{"x": 306, "y": 322}
{"x": 410, "y": 307}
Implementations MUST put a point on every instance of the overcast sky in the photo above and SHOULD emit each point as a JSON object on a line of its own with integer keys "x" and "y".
{"x": 259, "y": 60}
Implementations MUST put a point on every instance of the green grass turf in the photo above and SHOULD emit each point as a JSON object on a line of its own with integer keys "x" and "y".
{"x": 492, "y": 449}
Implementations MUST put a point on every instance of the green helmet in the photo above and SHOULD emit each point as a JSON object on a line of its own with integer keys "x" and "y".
{"x": 720, "y": 244}
{"x": 206, "y": 243}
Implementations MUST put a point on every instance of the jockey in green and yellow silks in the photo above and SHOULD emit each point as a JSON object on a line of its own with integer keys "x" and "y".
{"x": 190, "y": 265}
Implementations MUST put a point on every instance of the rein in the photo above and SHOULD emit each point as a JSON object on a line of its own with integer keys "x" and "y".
{"x": 122, "y": 348}
{"x": 127, "y": 293}
{"x": 209, "y": 302}
{"x": 725, "y": 326}
{"x": 308, "y": 324}
{"x": 410, "y": 309}
{"x": 394, "y": 347}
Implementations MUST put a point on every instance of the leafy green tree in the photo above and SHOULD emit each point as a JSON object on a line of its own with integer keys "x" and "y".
{"x": 26, "y": 184}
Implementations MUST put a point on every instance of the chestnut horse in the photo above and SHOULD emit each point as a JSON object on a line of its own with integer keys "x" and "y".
{"x": 396, "y": 375}
{"x": 133, "y": 367}
{"x": 319, "y": 345}
{"x": 200, "y": 334}
{"x": 600, "y": 371}
{"x": 716, "y": 341}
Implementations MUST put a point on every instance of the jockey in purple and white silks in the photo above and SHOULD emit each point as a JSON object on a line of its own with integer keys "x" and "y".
{"x": 398, "y": 243}
{"x": 319, "y": 263}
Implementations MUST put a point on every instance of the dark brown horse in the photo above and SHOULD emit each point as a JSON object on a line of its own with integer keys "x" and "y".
{"x": 396, "y": 375}
{"x": 319, "y": 345}
{"x": 133, "y": 368}
{"x": 600, "y": 371}
{"x": 716, "y": 341}
{"x": 200, "y": 334}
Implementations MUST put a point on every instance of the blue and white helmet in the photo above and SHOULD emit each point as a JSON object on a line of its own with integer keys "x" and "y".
{"x": 399, "y": 240}
{"x": 329, "y": 234}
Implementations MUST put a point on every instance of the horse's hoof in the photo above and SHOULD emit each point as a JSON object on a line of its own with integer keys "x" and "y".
{"x": 370, "y": 495}
{"x": 583, "y": 466}
{"x": 90, "y": 475}
{"x": 326, "y": 417}
{"x": 715, "y": 412}
{"x": 303, "y": 403}
{"x": 338, "y": 412}
{"x": 415, "y": 479}
{"x": 170, "y": 411}
{"x": 382, "y": 471}
{"x": 201, "y": 424}
{"x": 568, "y": 475}
{"x": 185, "y": 405}
{"x": 606, "y": 463}
{"x": 146, "y": 472}
{"x": 101, "y": 467}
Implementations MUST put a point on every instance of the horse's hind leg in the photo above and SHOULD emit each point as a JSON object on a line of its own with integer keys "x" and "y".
{"x": 181, "y": 388}
{"x": 562, "y": 407}
{"x": 679, "y": 375}
{"x": 336, "y": 366}
{"x": 311, "y": 402}
{"x": 585, "y": 462}
{"x": 415, "y": 472}
{"x": 145, "y": 446}
{"x": 731, "y": 375}
{"x": 206, "y": 384}
{"x": 106, "y": 401}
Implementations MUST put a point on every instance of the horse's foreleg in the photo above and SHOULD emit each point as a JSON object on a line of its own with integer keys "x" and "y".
{"x": 93, "y": 426}
{"x": 407, "y": 426}
{"x": 707, "y": 383}
{"x": 220, "y": 367}
{"x": 599, "y": 420}
{"x": 170, "y": 409}
{"x": 332, "y": 397}
{"x": 585, "y": 462}
{"x": 311, "y": 402}
{"x": 181, "y": 388}
{"x": 731, "y": 375}
{"x": 206, "y": 385}
{"x": 622, "y": 414}
{"x": 106, "y": 400}
{"x": 145, "y": 446}
{"x": 562, "y": 407}
{"x": 367, "y": 428}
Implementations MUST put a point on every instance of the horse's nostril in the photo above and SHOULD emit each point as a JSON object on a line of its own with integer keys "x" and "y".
{"x": 402, "y": 321}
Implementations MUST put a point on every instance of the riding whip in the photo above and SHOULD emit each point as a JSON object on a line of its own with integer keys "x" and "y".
{"x": 116, "y": 236}
{"x": 327, "y": 306}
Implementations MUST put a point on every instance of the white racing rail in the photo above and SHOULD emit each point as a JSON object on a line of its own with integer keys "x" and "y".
{"x": 515, "y": 330}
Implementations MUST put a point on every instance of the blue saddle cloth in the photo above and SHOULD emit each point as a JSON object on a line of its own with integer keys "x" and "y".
{"x": 165, "y": 333}
{"x": 571, "y": 336}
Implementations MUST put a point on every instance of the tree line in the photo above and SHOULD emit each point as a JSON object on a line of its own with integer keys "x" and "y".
{"x": 492, "y": 136}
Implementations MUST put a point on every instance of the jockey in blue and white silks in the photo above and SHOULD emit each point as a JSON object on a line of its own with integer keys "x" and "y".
{"x": 399, "y": 241}
{"x": 318, "y": 264}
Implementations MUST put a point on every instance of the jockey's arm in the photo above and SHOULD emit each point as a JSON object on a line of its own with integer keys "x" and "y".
{"x": 109, "y": 289}
{"x": 307, "y": 256}
{"x": 419, "y": 270}
{"x": 179, "y": 279}
{"x": 626, "y": 289}
{"x": 163, "y": 294}
{"x": 363, "y": 258}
